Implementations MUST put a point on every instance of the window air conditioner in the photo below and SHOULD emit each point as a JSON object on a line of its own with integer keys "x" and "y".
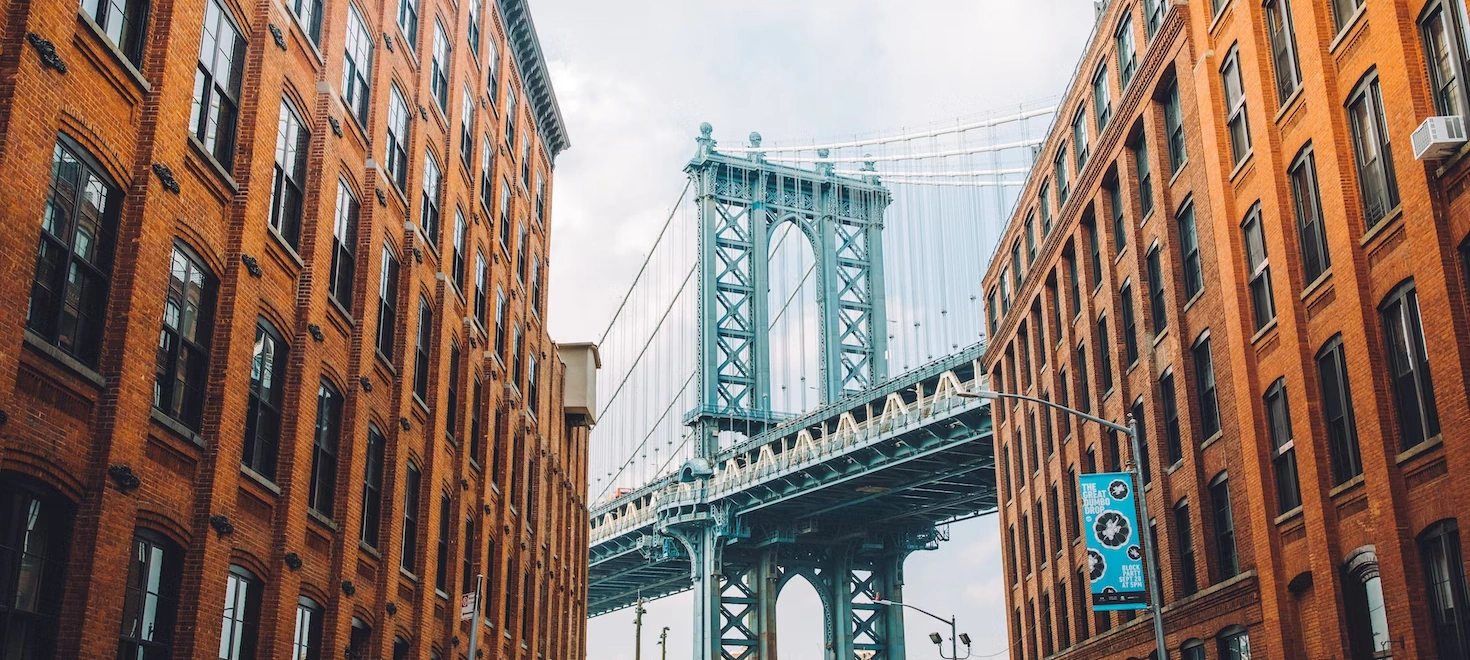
{"x": 1438, "y": 137}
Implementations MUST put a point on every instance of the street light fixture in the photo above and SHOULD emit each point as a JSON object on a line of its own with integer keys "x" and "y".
{"x": 935, "y": 637}
{"x": 1149, "y": 553}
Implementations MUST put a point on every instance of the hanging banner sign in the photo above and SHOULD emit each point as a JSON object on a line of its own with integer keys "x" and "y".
{"x": 1114, "y": 541}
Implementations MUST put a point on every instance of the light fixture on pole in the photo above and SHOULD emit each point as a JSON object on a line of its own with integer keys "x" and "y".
{"x": 935, "y": 637}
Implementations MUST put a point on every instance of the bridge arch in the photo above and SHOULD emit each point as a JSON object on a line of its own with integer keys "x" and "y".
{"x": 795, "y": 304}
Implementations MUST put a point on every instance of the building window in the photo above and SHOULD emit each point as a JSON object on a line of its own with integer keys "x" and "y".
{"x": 306, "y": 643}
{"x": 1076, "y": 285}
{"x": 344, "y": 246}
{"x": 288, "y": 182}
{"x": 1169, "y": 405}
{"x": 361, "y": 638}
{"x": 372, "y": 488}
{"x": 510, "y": 116}
{"x": 1026, "y": 542}
{"x": 125, "y": 23}
{"x": 1005, "y": 297}
{"x": 441, "y": 563}
{"x": 1030, "y": 239}
{"x": 451, "y": 408}
{"x": 482, "y": 283}
{"x": 1084, "y": 388}
{"x": 263, "y": 417}
{"x": 1153, "y": 15}
{"x": 540, "y": 200}
{"x": 357, "y": 65}
{"x": 1061, "y": 174}
{"x": 1044, "y": 203}
{"x": 535, "y": 285}
{"x": 1376, "y": 180}
{"x": 1105, "y": 354}
{"x": 1308, "y": 205}
{"x": 1443, "y": 30}
{"x": 1158, "y": 319}
{"x": 1343, "y": 12}
{"x": 1046, "y": 637}
{"x": 1258, "y": 269}
{"x": 429, "y": 210}
{"x": 492, "y": 80}
{"x": 421, "y": 351}
{"x": 216, "y": 105}
{"x": 1130, "y": 327}
{"x": 1193, "y": 650}
{"x": 1204, "y": 382}
{"x": 397, "y": 148}
{"x": 241, "y": 616}
{"x": 1283, "y": 453}
{"x": 1367, "y": 616}
{"x": 1015, "y": 556}
{"x": 1188, "y": 583}
{"x": 35, "y": 528}
{"x": 1225, "y": 554}
{"x": 505, "y": 217}
{"x": 459, "y": 250}
{"x": 1283, "y": 49}
{"x": 477, "y": 442}
{"x": 526, "y": 161}
{"x": 500, "y": 308}
{"x": 1056, "y": 512}
{"x": 487, "y": 184}
{"x": 408, "y": 21}
{"x": 467, "y": 129}
{"x": 1194, "y": 276}
{"x": 1016, "y": 276}
{"x": 1144, "y": 170}
{"x": 467, "y": 560}
{"x": 1235, "y": 114}
{"x": 1079, "y": 138}
{"x": 1444, "y": 575}
{"x": 1140, "y": 420}
{"x": 151, "y": 602}
{"x": 324, "y": 449}
{"x": 1337, "y": 409}
{"x": 1174, "y": 127}
{"x": 387, "y": 303}
{"x": 1008, "y": 469}
{"x": 1102, "y": 105}
{"x": 1408, "y": 363}
{"x": 439, "y": 68}
{"x": 68, "y": 303}
{"x": 472, "y": 33}
{"x": 410, "y": 545}
{"x": 1120, "y": 226}
{"x": 1127, "y": 55}
{"x": 1217, "y": 5}
{"x": 1235, "y": 644}
{"x": 515, "y": 359}
{"x": 521, "y": 255}
{"x": 183, "y": 344}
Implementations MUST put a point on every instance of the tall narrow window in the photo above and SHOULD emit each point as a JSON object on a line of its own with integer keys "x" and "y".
{"x": 521, "y": 255}
{"x": 183, "y": 344}
{"x": 451, "y": 408}
{"x": 1061, "y": 174}
{"x": 467, "y": 557}
{"x": 1225, "y": 553}
{"x": 1015, "y": 555}
{"x": 1283, "y": 453}
{"x": 288, "y": 182}
{"x": 1105, "y": 354}
{"x": 441, "y": 563}
{"x": 505, "y": 217}
{"x": 482, "y": 285}
{"x": 535, "y": 301}
{"x": 1127, "y": 54}
{"x": 125, "y": 22}
{"x": 1188, "y": 581}
{"x": 477, "y": 429}
{"x": 1079, "y": 139}
{"x": 372, "y": 488}
{"x": 1283, "y": 49}
{"x": 68, "y": 302}
{"x": 510, "y": 116}
{"x": 1408, "y": 363}
{"x": 1130, "y": 327}
{"x": 1094, "y": 248}
{"x": 1258, "y": 269}
{"x": 1044, "y": 204}
{"x": 1144, "y": 464}
{"x": 467, "y": 129}
{"x": 215, "y": 110}
{"x": 263, "y": 417}
{"x": 1235, "y": 644}
{"x": 500, "y": 322}
{"x": 35, "y": 528}
{"x": 1144, "y": 169}
{"x": 1120, "y": 222}
{"x": 429, "y": 210}
{"x": 151, "y": 603}
{"x": 1057, "y": 516}
{"x": 526, "y": 161}
{"x": 1169, "y": 405}
{"x": 1046, "y": 637}
{"x": 487, "y": 182}
{"x": 1444, "y": 576}
{"x": 360, "y": 639}
{"x": 1194, "y": 276}
{"x": 1174, "y": 127}
{"x": 1217, "y": 5}
{"x": 1337, "y": 409}
{"x": 492, "y": 68}
{"x": 1343, "y": 12}
{"x": 1158, "y": 317}
{"x": 516, "y": 358}
{"x": 408, "y": 21}
{"x": 1153, "y": 15}
{"x": 1026, "y": 542}
{"x": 237, "y": 637}
{"x": 1084, "y": 388}
{"x": 323, "y": 491}
{"x": 1076, "y": 285}
{"x": 1308, "y": 205}
{"x": 387, "y": 303}
{"x": 1102, "y": 103}
{"x": 1030, "y": 239}
{"x": 1204, "y": 381}
{"x": 459, "y": 250}
{"x": 1376, "y": 181}
{"x": 1064, "y": 398}
{"x": 357, "y": 65}
{"x": 344, "y": 246}
{"x": 410, "y": 546}
{"x": 540, "y": 199}
{"x": 1443, "y": 30}
{"x": 421, "y": 351}
{"x": 306, "y": 643}
{"x": 1235, "y": 114}
{"x": 1054, "y": 300}
{"x": 396, "y": 151}
{"x": 472, "y": 31}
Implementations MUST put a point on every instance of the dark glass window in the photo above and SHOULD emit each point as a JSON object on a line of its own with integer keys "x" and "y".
{"x": 408, "y": 21}
{"x": 360, "y": 641}
{"x": 505, "y": 217}
{"x": 242, "y": 615}
{"x": 451, "y": 408}
{"x": 459, "y": 250}
{"x": 1174, "y": 127}
{"x": 125, "y": 22}
{"x": 1095, "y": 253}
{"x": 372, "y": 488}
{"x": 1153, "y": 15}
{"x": 1225, "y": 554}
{"x": 35, "y": 531}
{"x": 344, "y": 246}
{"x": 532, "y": 398}
{"x": 510, "y": 116}
{"x": 215, "y": 110}
{"x": 1376, "y": 180}
{"x": 1084, "y": 388}
{"x": 1079, "y": 128}
{"x": 1311, "y": 233}
{"x": 429, "y": 209}
{"x": 1258, "y": 269}
{"x": 1235, "y": 113}
{"x": 439, "y": 68}
{"x": 357, "y": 64}
{"x": 1044, "y": 203}
{"x": 1443, "y": 31}
{"x": 1102, "y": 104}
{"x": 387, "y": 303}
{"x": 1188, "y": 582}
{"x": 1057, "y": 517}
{"x": 1061, "y": 175}
{"x": 1283, "y": 452}
{"x": 306, "y": 644}
{"x": 68, "y": 304}
{"x": 1194, "y": 650}
{"x": 477, "y": 429}
{"x": 1194, "y": 277}
{"x": 411, "y": 485}
{"x": 1046, "y": 631}
{"x": 151, "y": 603}
{"x": 263, "y": 416}
{"x": 487, "y": 180}
{"x": 1026, "y": 542}
{"x": 1169, "y": 405}
{"x": 1145, "y": 177}
{"x": 1120, "y": 222}
{"x": 288, "y": 178}
{"x": 535, "y": 302}
{"x": 1337, "y": 410}
{"x": 1076, "y": 285}
{"x": 1130, "y": 325}
{"x": 1105, "y": 355}
{"x": 521, "y": 255}
{"x": 500, "y": 309}
{"x": 482, "y": 286}
{"x": 1283, "y": 49}
{"x": 441, "y": 558}
{"x": 467, "y": 561}
{"x": 183, "y": 343}
{"x": 1127, "y": 54}
{"x": 324, "y": 449}
{"x": 1204, "y": 382}
{"x": 1444, "y": 576}
{"x": 1015, "y": 555}
{"x": 397, "y": 147}
{"x": 467, "y": 125}
{"x": 1144, "y": 464}
{"x": 1408, "y": 362}
{"x": 1158, "y": 318}
{"x": 421, "y": 351}
{"x": 1343, "y": 11}
{"x": 1235, "y": 644}
{"x": 1009, "y": 469}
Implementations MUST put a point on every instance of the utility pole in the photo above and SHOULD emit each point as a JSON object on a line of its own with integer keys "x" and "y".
{"x": 638, "y": 629}
{"x": 663, "y": 644}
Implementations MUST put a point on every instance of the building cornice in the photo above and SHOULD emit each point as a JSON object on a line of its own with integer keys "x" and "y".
{"x": 536, "y": 81}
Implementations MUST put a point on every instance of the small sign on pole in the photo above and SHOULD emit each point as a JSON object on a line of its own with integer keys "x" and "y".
{"x": 1114, "y": 541}
{"x": 468, "y": 603}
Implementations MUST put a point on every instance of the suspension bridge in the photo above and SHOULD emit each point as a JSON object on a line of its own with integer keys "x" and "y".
{"x": 783, "y": 380}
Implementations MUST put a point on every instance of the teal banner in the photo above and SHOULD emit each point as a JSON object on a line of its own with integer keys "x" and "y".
{"x": 1114, "y": 541}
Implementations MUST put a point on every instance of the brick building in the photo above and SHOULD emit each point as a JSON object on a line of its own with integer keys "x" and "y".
{"x": 274, "y": 375}
{"x": 1228, "y": 236}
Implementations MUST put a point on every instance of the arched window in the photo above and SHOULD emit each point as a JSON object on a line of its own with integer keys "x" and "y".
{"x": 1193, "y": 649}
{"x": 242, "y": 615}
{"x": 34, "y": 521}
{"x": 1234, "y": 643}
{"x": 151, "y": 604}
{"x": 361, "y": 639}
{"x": 306, "y": 644}
{"x": 1363, "y": 595}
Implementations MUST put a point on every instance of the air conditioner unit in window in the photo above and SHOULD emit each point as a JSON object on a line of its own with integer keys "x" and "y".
{"x": 1438, "y": 137}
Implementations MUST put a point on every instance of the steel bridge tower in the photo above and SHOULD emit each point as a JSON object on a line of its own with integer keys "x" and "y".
{"x": 741, "y": 201}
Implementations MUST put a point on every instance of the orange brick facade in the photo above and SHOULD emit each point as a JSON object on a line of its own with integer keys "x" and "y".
{"x": 1273, "y": 284}
{"x": 193, "y": 495}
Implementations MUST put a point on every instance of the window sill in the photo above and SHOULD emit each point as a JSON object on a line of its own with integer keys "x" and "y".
{"x": 1390, "y": 219}
{"x": 403, "y": 572}
{"x": 1219, "y": 17}
{"x": 370, "y": 550}
{"x": 1175, "y": 467}
{"x": 385, "y": 363}
{"x": 419, "y": 401}
{"x": 410, "y": 48}
{"x": 1290, "y": 103}
{"x": 1211, "y": 440}
{"x": 1122, "y": 252}
{"x": 1419, "y": 449}
{"x": 1159, "y": 338}
{"x": 1174, "y": 176}
{"x": 291, "y": 252}
{"x": 1265, "y": 330}
{"x": 1289, "y": 515}
{"x": 219, "y": 169}
{"x": 1342, "y": 34}
{"x": 39, "y": 344}
{"x": 1245, "y": 161}
{"x": 311, "y": 46}
{"x": 117, "y": 55}
{"x": 1316, "y": 284}
{"x": 341, "y": 311}
{"x": 260, "y": 479}
{"x": 175, "y": 426}
{"x": 321, "y": 519}
{"x": 1345, "y": 486}
{"x": 440, "y": 594}
{"x": 1194, "y": 299}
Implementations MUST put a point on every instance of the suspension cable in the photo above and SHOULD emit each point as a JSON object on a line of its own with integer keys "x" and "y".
{"x": 646, "y": 259}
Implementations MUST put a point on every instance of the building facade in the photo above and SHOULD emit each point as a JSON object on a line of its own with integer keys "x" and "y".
{"x": 275, "y": 380}
{"x": 1227, "y": 236}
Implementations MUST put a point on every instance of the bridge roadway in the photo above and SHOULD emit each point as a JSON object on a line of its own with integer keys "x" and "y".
{"x": 874, "y": 474}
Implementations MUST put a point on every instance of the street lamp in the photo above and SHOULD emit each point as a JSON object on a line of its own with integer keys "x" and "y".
{"x": 935, "y": 637}
{"x": 1149, "y": 556}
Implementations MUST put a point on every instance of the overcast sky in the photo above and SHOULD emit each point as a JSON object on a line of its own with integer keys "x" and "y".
{"x": 636, "y": 78}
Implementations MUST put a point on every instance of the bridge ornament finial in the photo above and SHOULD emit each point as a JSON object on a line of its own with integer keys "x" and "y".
{"x": 705, "y": 141}
{"x": 823, "y": 165}
{"x": 755, "y": 143}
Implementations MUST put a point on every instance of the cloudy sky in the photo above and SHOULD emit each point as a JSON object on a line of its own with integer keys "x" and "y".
{"x": 636, "y": 78}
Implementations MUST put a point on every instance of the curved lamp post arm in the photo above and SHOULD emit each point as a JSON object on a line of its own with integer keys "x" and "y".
{"x": 931, "y": 615}
{"x": 987, "y": 394}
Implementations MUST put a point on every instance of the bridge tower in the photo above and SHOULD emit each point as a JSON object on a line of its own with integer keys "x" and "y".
{"x": 741, "y": 200}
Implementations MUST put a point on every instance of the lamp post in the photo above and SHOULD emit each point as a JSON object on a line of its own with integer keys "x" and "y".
{"x": 1149, "y": 554}
{"x": 934, "y": 637}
